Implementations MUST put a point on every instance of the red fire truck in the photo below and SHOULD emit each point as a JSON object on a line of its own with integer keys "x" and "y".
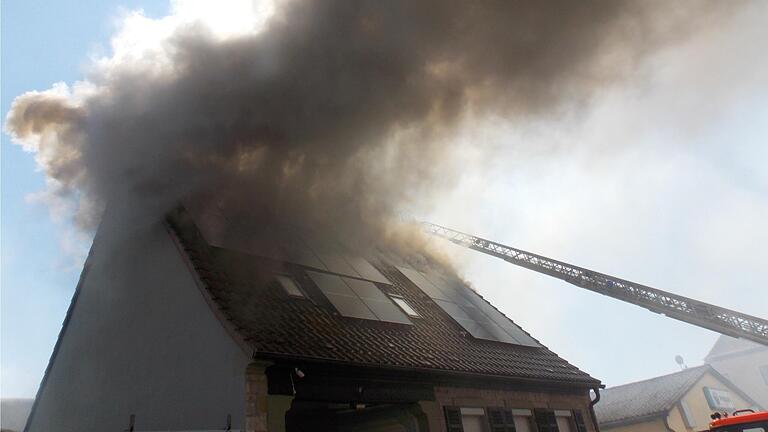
{"x": 741, "y": 421}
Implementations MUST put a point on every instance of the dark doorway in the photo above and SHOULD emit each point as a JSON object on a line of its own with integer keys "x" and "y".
{"x": 307, "y": 416}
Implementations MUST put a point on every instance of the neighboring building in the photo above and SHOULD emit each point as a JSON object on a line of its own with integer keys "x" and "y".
{"x": 743, "y": 362}
{"x": 184, "y": 328}
{"x": 14, "y": 413}
{"x": 678, "y": 402}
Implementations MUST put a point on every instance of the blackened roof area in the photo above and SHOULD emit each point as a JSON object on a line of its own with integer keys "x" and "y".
{"x": 277, "y": 325}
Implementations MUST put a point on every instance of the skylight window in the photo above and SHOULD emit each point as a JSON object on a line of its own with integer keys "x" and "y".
{"x": 290, "y": 286}
{"x": 404, "y": 306}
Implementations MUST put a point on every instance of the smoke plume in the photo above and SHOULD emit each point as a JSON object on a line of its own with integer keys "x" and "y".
{"x": 323, "y": 113}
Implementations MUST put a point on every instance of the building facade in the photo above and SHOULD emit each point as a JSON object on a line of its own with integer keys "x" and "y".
{"x": 176, "y": 328}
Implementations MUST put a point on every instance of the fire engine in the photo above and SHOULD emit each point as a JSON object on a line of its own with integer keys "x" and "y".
{"x": 741, "y": 421}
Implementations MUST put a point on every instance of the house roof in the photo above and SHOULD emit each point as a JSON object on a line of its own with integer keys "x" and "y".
{"x": 727, "y": 346}
{"x": 641, "y": 400}
{"x": 276, "y": 326}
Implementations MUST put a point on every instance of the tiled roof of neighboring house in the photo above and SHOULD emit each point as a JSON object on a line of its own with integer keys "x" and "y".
{"x": 726, "y": 346}
{"x": 644, "y": 399}
{"x": 276, "y": 326}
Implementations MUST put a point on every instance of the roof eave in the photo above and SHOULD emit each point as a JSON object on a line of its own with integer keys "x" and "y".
{"x": 437, "y": 374}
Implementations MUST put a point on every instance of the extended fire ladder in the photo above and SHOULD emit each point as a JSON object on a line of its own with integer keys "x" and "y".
{"x": 685, "y": 309}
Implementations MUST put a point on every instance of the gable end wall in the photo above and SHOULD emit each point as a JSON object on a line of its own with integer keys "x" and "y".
{"x": 141, "y": 340}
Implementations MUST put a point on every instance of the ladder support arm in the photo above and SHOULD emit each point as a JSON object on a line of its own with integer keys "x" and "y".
{"x": 709, "y": 316}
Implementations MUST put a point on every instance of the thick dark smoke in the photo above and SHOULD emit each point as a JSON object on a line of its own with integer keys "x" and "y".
{"x": 337, "y": 113}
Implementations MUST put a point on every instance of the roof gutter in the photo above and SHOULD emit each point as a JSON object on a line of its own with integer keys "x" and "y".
{"x": 592, "y": 404}
{"x": 424, "y": 372}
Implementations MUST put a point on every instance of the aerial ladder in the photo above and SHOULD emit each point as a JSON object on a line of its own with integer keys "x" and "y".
{"x": 709, "y": 316}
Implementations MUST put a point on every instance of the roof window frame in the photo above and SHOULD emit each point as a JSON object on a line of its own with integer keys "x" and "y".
{"x": 396, "y": 297}
{"x": 302, "y": 294}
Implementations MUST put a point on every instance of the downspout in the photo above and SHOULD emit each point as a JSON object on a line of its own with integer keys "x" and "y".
{"x": 592, "y": 408}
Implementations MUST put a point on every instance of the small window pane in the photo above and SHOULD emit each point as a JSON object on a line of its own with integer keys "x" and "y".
{"x": 473, "y": 420}
{"x": 290, "y": 286}
{"x": 405, "y": 306}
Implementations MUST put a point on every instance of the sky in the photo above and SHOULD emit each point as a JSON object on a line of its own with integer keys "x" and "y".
{"x": 660, "y": 180}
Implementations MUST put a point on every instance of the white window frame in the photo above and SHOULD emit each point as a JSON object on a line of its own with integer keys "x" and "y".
{"x": 526, "y": 415}
{"x": 281, "y": 276}
{"x": 406, "y": 308}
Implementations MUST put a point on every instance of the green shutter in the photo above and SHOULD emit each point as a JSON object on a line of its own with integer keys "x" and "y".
{"x": 501, "y": 420}
{"x": 453, "y": 419}
{"x": 545, "y": 420}
{"x": 496, "y": 420}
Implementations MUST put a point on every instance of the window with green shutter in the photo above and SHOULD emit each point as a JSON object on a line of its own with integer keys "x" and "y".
{"x": 545, "y": 420}
{"x": 501, "y": 420}
{"x": 453, "y": 419}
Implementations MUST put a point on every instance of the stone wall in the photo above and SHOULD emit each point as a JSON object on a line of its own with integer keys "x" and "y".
{"x": 469, "y": 397}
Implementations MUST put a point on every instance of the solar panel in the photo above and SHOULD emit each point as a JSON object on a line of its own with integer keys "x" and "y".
{"x": 503, "y": 322}
{"x": 365, "y": 289}
{"x": 358, "y": 298}
{"x": 468, "y": 309}
{"x": 366, "y": 270}
{"x": 337, "y": 264}
{"x": 377, "y": 301}
{"x": 351, "y": 307}
{"x": 422, "y": 282}
{"x": 341, "y": 296}
{"x": 387, "y": 311}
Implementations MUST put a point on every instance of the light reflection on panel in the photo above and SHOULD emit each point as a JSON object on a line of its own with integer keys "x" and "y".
{"x": 468, "y": 309}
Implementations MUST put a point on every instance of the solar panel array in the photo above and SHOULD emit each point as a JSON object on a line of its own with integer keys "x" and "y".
{"x": 468, "y": 309}
{"x": 357, "y": 298}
